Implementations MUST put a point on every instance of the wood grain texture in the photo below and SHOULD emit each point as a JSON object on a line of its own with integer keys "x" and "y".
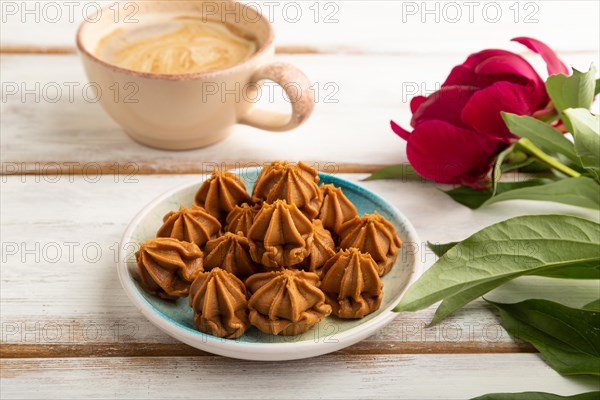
{"x": 60, "y": 296}
{"x": 79, "y": 132}
{"x": 348, "y": 132}
{"x": 182, "y": 350}
{"x": 71, "y": 181}
{"x": 150, "y": 167}
{"x": 369, "y": 27}
{"x": 331, "y": 376}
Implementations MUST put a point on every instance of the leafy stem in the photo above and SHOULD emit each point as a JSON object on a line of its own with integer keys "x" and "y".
{"x": 552, "y": 162}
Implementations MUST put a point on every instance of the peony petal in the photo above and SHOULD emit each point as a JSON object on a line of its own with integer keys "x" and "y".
{"x": 416, "y": 102}
{"x": 461, "y": 75}
{"x": 553, "y": 63}
{"x": 482, "y": 112}
{"x": 513, "y": 65}
{"x": 464, "y": 74}
{"x": 448, "y": 154}
{"x": 476, "y": 58}
{"x": 400, "y": 131}
{"x": 515, "y": 69}
{"x": 445, "y": 105}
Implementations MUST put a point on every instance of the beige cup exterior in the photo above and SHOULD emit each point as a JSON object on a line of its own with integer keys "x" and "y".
{"x": 189, "y": 111}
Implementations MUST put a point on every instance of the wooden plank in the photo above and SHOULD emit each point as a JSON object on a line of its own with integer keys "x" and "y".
{"x": 348, "y": 132}
{"x": 391, "y": 27}
{"x": 475, "y": 330}
{"x": 182, "y": 350}
{"x": 60, "y": 295}
{"x": 332, "y": 377}
{"x": 79, "y": 132}
{"x": 152, "y": 167}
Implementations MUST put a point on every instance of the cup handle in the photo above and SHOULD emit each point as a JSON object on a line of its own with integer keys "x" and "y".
{"x": 297, "y": 87}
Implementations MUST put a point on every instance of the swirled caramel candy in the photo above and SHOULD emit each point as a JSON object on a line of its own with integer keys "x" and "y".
{"x": 220, "y": 304}
{"x": 336, "y": 208}
{"x": 220, "y": 193}
{"x": 323, "y": 248}
{"x": 281, "y": 236}
{"x": 351, "y": 284}
{"x": 168, "y": 266}
{"x": 192, "y": 224}
{"x": 375, "y": 235}
{"x": 297, "y": 184}
{"x": 230, "y": 252}
{"x": 286, "y": 302}
{"x": 240, "y": 219}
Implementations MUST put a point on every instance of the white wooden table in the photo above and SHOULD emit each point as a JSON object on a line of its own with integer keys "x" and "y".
{"x": 71, "y": 181}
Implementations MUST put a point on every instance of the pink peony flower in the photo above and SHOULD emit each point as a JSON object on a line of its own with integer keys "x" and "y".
{"x": 458, "y": 130}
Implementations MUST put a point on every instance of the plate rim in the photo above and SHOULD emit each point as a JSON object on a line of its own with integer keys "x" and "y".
{"x": 259, "y": 351}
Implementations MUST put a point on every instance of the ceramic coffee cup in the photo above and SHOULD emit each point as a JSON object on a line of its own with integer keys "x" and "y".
{"x": 192, "y": 110}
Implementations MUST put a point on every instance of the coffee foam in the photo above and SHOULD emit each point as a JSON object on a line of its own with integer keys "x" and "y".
{"x": 176, "y": 45}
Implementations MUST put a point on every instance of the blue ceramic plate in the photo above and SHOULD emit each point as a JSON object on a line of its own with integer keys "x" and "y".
{"x": 331, "y": 334}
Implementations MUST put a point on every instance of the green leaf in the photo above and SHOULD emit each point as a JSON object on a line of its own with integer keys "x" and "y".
{"x": 469, "y": 197}
{"x": 497, "y": 170}
{"x": 454, "y": 302}
{"x": 441, "y": 249}
{"x": 399, "y": 171}
{"x": 475, "y": 198}
{"x": 593, "y": 306}
{"x": 568, "y": 338}
{"x": 541, "y": 134}
{"x": 581, "y": 192}
{"x": 527, "y": 245}
{"x": 584, "y": 272}
{"x": 551, "y": 162}
{"x": 518, "y": 160}
{"x": 462, "y": 298}
{"x": 537, "y": 396}
{"x": 597, "y": 90}
{"x": 575, "y": 91}
{"x": 534, "y": 166}
{"x": 587, "y": 138}
{"x": 574, "y": 272}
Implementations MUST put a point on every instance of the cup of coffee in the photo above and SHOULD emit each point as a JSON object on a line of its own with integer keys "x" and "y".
{"x": 180, "y": 74}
